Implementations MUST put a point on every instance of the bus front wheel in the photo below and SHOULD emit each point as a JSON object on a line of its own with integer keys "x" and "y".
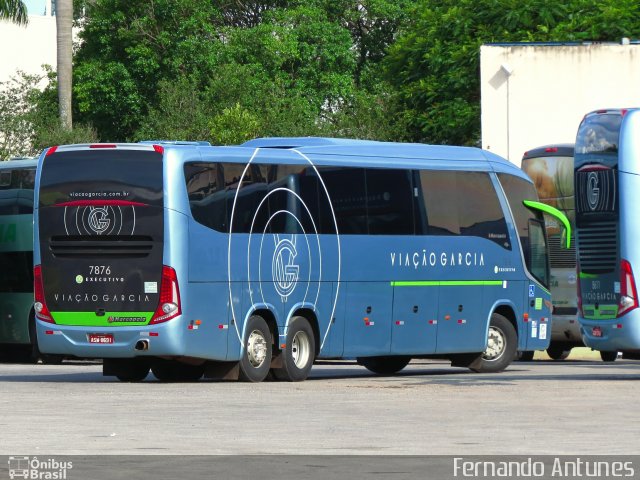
{"x": 299, "y": 352}
{"x": 558, "y": 353}
{"x": 255, "y": 360}
{"x": 384, "y": 365}
{"x": 502, "y": 344}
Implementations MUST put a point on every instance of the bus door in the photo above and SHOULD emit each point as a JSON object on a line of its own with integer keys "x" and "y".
{"x": 414, "y": 325}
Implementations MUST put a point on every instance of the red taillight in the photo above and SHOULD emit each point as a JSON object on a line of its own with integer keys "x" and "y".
{"x": 103, "y": 145}
{"x": 40, "y": 305}
{"x": 628, "y": 294}
{"x": 169, "y": 303}
{"x": 551, "y": 149}
{"x": 159, "y": 149}
{"x": 51, "y": 151}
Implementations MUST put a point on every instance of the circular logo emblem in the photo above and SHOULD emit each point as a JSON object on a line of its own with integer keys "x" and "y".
{"x": 100, "y": 220}
{"x": 593, "y": 191}
{"x": 284, "y": 269}
{"x": 79, "y": 279}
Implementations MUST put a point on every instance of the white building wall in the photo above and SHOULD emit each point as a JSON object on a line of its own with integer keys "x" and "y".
{"x": 533, "y": 95}
{"x": 27, "y": 48}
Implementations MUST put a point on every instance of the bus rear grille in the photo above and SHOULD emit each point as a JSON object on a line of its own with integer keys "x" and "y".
{"x": 131, "y": 246}
{"x": 559, "y": 256}
{"x": 598, "y": 248}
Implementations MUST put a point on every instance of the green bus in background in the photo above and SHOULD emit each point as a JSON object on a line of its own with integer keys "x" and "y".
{"x": 17, "y": 328}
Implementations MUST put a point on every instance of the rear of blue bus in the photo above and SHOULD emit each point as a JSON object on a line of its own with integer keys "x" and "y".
{"x": 101, "y": 287}
{"x": 607, "y": 181}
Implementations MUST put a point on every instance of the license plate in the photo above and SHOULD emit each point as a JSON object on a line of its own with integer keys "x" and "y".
{"x": 101, "y": 338}
{"x": 596, "y": 332}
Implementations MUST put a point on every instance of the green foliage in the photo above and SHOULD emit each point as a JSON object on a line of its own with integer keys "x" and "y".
{"x": 234, "y": 125}
{"x": 175, "y": 68}
{"x": 14, "y": 10}
{"x": 16, "y": 99}
{"x": 29, "y": 117}
{"x": 435, "y": 64}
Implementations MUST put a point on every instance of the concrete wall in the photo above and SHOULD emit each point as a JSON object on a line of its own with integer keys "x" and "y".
{"x": 533, "y": 95}
{"x": 27, "y": 48}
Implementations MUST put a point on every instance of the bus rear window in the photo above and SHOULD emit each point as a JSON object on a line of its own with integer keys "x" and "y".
{"x": 108, "y": 175}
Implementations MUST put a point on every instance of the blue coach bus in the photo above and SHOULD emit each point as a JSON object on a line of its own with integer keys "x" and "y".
{"x": 607, "y": 181}
{"x": 235, "y": 262}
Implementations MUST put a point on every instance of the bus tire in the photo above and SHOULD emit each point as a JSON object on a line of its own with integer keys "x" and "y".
{"x": 299, "y": 354}
{"x": 255, "y": 358}
{"x": 526, "y": 356}
{"x": 502, "y": 344}
{"x": 387, "y": 365}
{"x": 127, "y": 369}
{"x": 174, "y": 371}
{"x": 558, "y": 352}
{"x": 608, "y": 356}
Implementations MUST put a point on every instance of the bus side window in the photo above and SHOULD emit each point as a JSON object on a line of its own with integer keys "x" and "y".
{"x": 440, "y": 201}
{"x": 347, "y": 190}
{"x": 390, "y": 202}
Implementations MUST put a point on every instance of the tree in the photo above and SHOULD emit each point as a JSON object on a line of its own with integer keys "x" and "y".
{"x": 14, "y": 11}
{"x": 435, "y": 62}
{"x": 64, "y": 23}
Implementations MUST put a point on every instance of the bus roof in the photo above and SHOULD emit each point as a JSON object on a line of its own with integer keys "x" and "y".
{"x": 19, "y": 163}
{"x": 551, "y": 150}
{"x": 334, "y": 152}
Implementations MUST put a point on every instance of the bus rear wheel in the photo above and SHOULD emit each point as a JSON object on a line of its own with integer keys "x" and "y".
{"x": 387, "y": 365}
{"x": 174, "y": 371}
{"x": 127, "y": 369}
{"x": 299, "y": 353}
{"x": 608, "y": 356}
{"x": 255, "y": 359}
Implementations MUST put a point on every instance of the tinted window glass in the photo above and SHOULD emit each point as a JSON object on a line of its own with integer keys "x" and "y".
{"x": 348, "y": 194}
{"x": 390, "y": 202}
{"x": 20, "y": 264}
{"x": 517, "y": 190}
{"x": 463, "y": 203}
{"x": 538, "y": 252}
{"x": 105, "y": 174}
{"x": 440, "y": 195}
{"x": 23, "y": 178}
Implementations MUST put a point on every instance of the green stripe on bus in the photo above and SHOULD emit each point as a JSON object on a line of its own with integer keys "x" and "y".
{"x": 447, "y": 283}
{"x": 90, "y": 319}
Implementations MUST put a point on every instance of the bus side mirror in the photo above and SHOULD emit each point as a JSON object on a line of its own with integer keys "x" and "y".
{"x": 554, "y": 212}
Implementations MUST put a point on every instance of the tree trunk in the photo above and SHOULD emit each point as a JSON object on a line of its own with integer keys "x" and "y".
{"x": 64, "y": 23}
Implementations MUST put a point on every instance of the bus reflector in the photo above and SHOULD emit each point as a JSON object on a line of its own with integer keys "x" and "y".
{"x": 159, "y": 149}
{"x": 40, "y": 305}
{"x": 51, "y": 151}
{"x": 169, "y": 302}
{"x": 628, "y": 294}
{"x": 551, "y": 149}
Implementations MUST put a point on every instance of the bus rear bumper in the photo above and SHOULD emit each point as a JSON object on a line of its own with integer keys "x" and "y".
{"x": 619, "y": 334}
{"x": 115, "y": 342}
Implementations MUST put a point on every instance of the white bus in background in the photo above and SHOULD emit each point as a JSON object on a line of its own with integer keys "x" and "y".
{"x": 551, "y": 169}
